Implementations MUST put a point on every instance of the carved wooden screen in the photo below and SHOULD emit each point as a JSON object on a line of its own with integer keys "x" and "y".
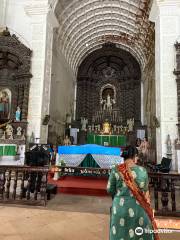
{"x": 109, "y": 66}
{"x": 15, "y": 59}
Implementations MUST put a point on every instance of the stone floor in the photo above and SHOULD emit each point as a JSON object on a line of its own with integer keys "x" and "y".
{"x": 66, "y": 217}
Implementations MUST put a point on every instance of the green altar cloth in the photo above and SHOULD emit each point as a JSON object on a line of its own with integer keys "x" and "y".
{"x": 110, "y": 140}
{"x": 7, "y": 150}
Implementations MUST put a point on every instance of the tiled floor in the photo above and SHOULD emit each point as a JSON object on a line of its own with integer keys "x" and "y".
{"x": 66, "y": 217}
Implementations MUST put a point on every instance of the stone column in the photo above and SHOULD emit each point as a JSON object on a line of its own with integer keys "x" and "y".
{"x": 166, "y": 16}
{"x": 42, "y": 18}
{"x": 51, "y": 24}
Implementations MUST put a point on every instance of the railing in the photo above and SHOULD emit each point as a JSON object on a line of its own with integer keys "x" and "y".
{"x": 24, "y": 185}
{"x": 166, "y": 190}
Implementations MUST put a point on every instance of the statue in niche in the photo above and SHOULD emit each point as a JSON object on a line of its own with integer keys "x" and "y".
{"x": 107, "y": 97}
{"x": 4, "y": 105}
{"x": 108, "y": 103}
{"x": 18, "y": 114}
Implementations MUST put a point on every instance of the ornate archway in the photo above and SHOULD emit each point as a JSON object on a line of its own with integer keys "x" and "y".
{"x": 109, "y": 68}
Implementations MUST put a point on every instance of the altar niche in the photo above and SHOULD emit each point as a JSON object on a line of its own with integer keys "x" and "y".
{"x": 15, "y": 61}
{"x": 109, "y": 87}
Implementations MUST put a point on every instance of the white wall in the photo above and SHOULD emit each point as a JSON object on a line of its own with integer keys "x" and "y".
{"x": 14, "y": 17}
{"x": 62, "y": 94}
{"x": 166, "y": 15}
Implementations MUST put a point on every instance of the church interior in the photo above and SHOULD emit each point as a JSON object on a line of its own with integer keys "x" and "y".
{"x": 80, "y": 82}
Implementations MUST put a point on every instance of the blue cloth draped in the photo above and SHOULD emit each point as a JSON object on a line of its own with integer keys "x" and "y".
{"x": 89, "y": 149}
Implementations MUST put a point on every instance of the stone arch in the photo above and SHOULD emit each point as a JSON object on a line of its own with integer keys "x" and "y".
{"x": 124, "y": 74}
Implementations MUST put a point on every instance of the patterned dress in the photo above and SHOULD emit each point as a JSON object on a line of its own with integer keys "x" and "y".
{"x": 129, "y": 220}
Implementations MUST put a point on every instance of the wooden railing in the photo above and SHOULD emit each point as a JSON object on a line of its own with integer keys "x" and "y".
{"x": 166, "y": 190}
{"x": 24, "y": 185}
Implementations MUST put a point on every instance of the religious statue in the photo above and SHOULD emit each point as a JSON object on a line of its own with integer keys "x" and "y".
{"x": 84, "y": 122}
{"x": 9, "y": 130}
{"x": 103, "y": 104}
{"x": 106, "y": 128}
{"x": 18, "y": 114}
{"x": 108, "y": 103}
{"x": 66, "y": 141}
{"x": 19, "y": 131}
{"x": 4, "y": 104}
{"x": 130, "y": 124}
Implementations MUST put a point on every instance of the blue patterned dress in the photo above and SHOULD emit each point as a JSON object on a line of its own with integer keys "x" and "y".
{"x": 129, "y": 220}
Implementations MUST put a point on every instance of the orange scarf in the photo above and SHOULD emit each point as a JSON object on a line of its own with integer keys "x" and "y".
{"x": 138, "y": 194}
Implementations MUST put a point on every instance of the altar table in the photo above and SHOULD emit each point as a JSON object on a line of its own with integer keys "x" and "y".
{"x": 108, "y": 140}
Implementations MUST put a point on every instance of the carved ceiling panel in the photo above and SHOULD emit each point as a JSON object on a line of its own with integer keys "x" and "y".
{"x": 86, "y": 25}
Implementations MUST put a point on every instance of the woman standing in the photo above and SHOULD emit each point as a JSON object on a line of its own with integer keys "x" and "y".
{"x": 131, "y": 214}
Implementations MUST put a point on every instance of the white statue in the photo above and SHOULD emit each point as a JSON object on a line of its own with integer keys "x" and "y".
{"x": 19, "y": 131}
{"x": 84, "y": 122}
{"x": 9, "y": 130}
{"x": 103, "y": 104}
{"x": 130, "y": 124}
{"x": 109, "y": 103}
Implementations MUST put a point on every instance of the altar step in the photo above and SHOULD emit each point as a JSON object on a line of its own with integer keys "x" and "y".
{"x": 91, "y": 186}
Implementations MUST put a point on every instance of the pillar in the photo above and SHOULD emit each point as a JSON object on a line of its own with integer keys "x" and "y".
{"x": 166, "y": 16}
{"x": 42, "y": 23}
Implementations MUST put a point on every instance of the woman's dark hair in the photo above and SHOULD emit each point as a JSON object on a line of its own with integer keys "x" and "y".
{"x": 129, "y": 152}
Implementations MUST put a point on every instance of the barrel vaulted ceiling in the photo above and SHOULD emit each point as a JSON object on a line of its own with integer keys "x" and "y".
{"x": 86, "y": 24}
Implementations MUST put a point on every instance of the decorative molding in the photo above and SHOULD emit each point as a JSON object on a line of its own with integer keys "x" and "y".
{"x": 37, "y": 8}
